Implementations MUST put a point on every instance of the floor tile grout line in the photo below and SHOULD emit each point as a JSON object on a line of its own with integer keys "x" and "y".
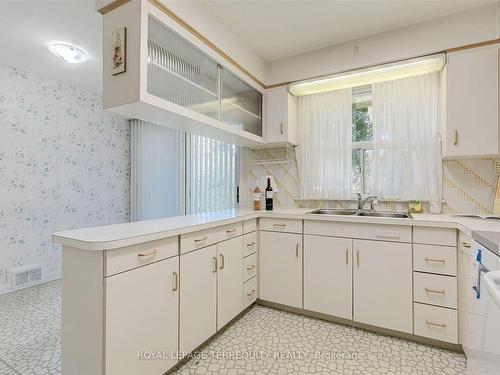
{"x": 10, "y": 367}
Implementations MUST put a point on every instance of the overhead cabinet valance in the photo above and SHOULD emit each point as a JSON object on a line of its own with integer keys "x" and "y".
{"x": 171, "y": 78}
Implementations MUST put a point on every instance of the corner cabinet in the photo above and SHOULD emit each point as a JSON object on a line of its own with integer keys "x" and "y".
{"x": 471, "y": 99}
{"x": 174, "y": 79}
{"x": 281, "y": 117}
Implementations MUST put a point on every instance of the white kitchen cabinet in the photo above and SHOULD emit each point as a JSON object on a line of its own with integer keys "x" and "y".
{"x": 471, "y": 102}
{"x": 198, "y": 300}
{"x": 383, "y": 284}
{"x": 229, "y": 280}
{"x": 465, "y": 292}
{"x": 175, "y": 79}
{"x": 142, "y": 315}
{"x": 281, "y": 116}
{"x": 328, "y": 275}
{"x": 281, "y": 268}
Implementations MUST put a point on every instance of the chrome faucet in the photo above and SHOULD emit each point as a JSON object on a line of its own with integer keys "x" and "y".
{"x": 362, "y": 202}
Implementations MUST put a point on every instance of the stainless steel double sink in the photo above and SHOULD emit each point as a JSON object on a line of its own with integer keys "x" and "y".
{"x": 354, "y": 212}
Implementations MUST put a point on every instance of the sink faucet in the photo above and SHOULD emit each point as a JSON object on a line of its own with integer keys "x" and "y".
{"x": 362, "y": 202}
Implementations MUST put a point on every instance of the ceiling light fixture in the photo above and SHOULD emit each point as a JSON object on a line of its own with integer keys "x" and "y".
{"x": 68, "y": 52}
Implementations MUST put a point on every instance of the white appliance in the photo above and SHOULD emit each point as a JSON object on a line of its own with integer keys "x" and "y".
{"x": 482, "y": 338}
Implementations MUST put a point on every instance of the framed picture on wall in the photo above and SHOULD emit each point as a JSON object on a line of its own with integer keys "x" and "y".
{"x": 119, "y": 44}
{"x": 496, "y": 199}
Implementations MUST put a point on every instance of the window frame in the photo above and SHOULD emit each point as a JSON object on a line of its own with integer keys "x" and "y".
{"x": 362, "y": 146}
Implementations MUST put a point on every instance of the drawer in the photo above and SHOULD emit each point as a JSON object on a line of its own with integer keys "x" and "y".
{"x": 437, "y": 323}
{"x": 249, "y": 267}
{"x": 435, "y": 259}
{"x": 435, "y": 236}
{"x": 280, "y": 225}
{"x": 126, "y": 258}
{"x": 202, "y": 238}
{"x": 249, "y": 226}
{"x": 250, "y": 292}
{"x": 249, "y": 243}
{"x": 358, "y": 230}
{"x": 435, "y": 289}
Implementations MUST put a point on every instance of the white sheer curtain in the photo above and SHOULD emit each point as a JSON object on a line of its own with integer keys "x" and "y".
{"x": 325, "y": 145}
{"x": 407, "y": 152}
{"x": 157, "y": 171}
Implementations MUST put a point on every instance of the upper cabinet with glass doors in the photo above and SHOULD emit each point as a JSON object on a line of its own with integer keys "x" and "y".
{"x": 172, "y": 78}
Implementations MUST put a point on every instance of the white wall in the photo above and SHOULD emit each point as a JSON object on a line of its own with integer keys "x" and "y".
{"x": 476, "y": 25}
{"x": 64, "y": 163}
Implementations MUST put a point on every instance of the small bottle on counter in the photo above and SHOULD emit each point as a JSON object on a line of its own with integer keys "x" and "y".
{"x": 256, "y": 197}
{"x": 269, "y": 196}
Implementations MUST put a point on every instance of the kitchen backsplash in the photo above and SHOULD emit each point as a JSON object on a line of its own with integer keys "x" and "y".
{"x": 468, "y": 185}
{"x": 64, "y": 163}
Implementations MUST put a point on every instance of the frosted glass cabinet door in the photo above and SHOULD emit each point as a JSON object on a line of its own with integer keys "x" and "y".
{"x": 241, "y": 104}
{"x": 142, "y": 315}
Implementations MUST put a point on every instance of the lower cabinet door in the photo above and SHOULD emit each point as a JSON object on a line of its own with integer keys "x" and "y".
{"x": 328, "y": 275}
{"x": 142, "y": 319}
{"x": 198, "y": 300}
{"x": 230, "y": 280}
{"x": 280, "y": 260}
{"x": 383, "y": 284}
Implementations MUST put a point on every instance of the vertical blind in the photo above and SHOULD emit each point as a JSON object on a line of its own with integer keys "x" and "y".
{"x": 156, "y": 172}
{"x": 212, "y": 171}
{"x": 175, "y": 173}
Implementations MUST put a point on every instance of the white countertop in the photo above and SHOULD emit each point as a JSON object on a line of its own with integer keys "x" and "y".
{"x": 118, "y": 235}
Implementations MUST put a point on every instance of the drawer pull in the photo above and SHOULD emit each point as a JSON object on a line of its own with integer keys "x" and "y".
{"x": 251, "y": 268}
{"x": 465, "y": 244}
{"x": 297, "y": 250}
{"x": 151, "y": 253}
{"x": 214, "y": 270}
{"x": 357, "y": 257}
{"x": 434, "y": 260}
{"x": 279, "y": 225}
{"x": 251, "y": 293}
{"x": 435, "y": 291}
{"x": 250, "y": 244}
{"x": 176, "y": 281}
{"x": 229, "y": 232}
{"x": 202, "y": 239}
{"x": 432, "y": 324}
{"x": 221, "y": 262}
{"x": 346, "y": 256}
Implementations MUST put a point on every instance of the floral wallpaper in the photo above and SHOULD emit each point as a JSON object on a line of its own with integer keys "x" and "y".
{"x": 64, "y": 163}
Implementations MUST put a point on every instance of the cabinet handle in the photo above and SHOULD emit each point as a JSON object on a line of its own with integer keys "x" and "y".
{"x": 440, "y": 325}
{"x": 250, "y": 244}
{"x": 151, "y": 253}
{"x": 297, "y": 250}
{"x": 176, "y": 281}
{"x": 279, "y": 225}
{"x": 215, "y": 265}
{"x": 435, "y": 291}
{"x": 230, "y": 231}
{"x": 202, "y": 239}
{"x": 435, "y": 260}
{"x": 221, "y": 262}
{"x": 281, "y": 127}
{"x": 346, "y": 256}
{"x": 455, "y": 138}
{"x": 250, "y": 293}
{"x": 357, "y": 257}
{"x": 465, "y": 244}
{"x": 250, "y": 268}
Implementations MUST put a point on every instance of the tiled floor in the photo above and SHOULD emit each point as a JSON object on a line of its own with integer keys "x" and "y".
{"x": 263, "y": 341}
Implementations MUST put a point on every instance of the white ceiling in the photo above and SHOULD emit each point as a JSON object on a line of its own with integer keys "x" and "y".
{"x": 277, "y": 29}
{"x": 27, "y": 26}
{"x": 274, "y": 29}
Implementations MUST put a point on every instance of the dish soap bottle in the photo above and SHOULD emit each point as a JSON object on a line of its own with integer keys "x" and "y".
{"x": 256, "y": 197}
{"x": 269, "y": 196}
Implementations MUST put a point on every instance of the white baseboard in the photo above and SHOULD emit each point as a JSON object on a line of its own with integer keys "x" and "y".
{"x": 6, "y": 288}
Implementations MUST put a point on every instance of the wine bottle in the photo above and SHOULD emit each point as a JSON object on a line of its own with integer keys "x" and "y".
{"x": 256, "y": 197}
{"x": 269, "y": 196}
